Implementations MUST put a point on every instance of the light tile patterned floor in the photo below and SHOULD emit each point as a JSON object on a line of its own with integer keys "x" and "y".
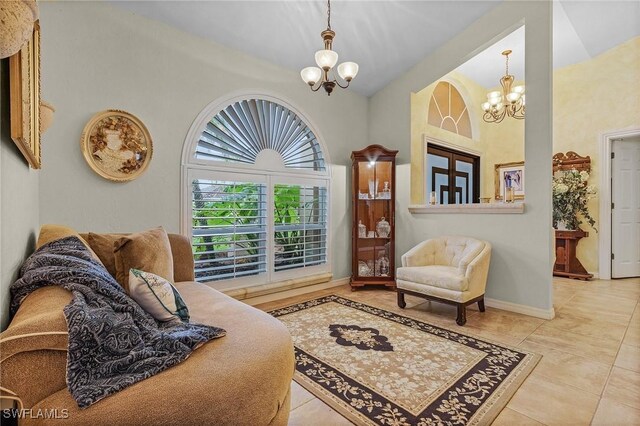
{"x": 590, "y": 372}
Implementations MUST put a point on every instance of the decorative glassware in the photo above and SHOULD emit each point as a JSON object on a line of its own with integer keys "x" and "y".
{"x": 363, "y": 269}
{"x": 371, "y": 267}
{"x": 432, "y": 198}
{"x": 383, "y": 228}
{"x": 362, "y": 230}
{"x": 386, "y": 191}
{"x": 509, "y": 194}
{"x": 373, "y": 188}
{"x": 382, "y": 265}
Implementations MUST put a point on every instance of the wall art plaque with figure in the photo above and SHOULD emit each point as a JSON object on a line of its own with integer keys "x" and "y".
{"x": 117, "y": 145}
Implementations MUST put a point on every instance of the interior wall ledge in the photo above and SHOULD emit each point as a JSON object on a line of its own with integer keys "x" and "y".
{"x": 490, "y": 208}
{"x": 242, "y": 293}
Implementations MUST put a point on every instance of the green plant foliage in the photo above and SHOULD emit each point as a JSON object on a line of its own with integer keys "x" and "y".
{"x": 570, "y": 197}
{"x": 239, "y": 206}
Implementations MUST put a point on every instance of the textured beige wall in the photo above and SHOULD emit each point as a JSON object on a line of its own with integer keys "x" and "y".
{"x": 591, "y": 98}
{"x": 498, "y": 143}
{"x": 19, "y": 206}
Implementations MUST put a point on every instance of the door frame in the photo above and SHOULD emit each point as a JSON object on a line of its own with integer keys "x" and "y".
{"x": 604, "y": 234}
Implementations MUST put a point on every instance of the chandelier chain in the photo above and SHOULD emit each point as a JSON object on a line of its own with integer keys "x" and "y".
{"x": 507, "y": 71}
{"x": 329, "y": 14}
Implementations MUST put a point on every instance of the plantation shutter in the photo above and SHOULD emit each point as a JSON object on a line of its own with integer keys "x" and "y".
{"x": 240, "y": 131}
{"x": 300, "y": 226}
{"x": 229, "y": 229}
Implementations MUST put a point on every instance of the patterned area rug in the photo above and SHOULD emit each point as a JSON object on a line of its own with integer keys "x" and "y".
{"x": 376, "y": 367}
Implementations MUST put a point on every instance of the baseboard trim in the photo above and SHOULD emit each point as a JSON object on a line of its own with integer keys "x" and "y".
{"x": 596, "y": 276}
{"x": 521, "y": 309}
{"x": 295, "y": 292}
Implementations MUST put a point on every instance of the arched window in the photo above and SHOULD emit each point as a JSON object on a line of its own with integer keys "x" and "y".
{"x": 448, "y": 111}
{"x": 255, "y": 193}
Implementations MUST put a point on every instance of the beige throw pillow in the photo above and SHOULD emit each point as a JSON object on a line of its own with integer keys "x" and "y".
{"x": 157, "y": 296}
{"x": 102, "y": 245}
{"x": 146, "y": 251}
{"x": 51, "y": 232}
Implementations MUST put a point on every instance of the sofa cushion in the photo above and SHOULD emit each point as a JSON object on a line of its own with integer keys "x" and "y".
{"x": 36, "y": 337}
{"x": 183, "y": 264}
{"x": 102, "y": 245}
{"x": 157, "y": 296}
{"x": 147, "y": 251}
{"x": 243, "y": 379}
{"x": 435, "y": 275}
{"x": 51, "y": 232}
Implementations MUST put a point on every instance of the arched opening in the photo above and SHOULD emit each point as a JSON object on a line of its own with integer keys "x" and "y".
{"x": 255, "y": 193}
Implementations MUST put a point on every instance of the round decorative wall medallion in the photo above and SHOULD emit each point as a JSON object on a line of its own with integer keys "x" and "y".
{"x": 117, "y": 145}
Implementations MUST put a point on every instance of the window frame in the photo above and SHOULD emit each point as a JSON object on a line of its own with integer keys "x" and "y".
{"x": 193, "y": 168}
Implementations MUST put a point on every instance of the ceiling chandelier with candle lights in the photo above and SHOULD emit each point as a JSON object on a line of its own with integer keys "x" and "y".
{"x": 327, "y": 59}
{"x": 508, "y": 103}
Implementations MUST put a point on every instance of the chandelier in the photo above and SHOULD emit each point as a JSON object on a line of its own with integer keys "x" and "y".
{"x": 510, "y": 102}
{"x": 326, "y": 60}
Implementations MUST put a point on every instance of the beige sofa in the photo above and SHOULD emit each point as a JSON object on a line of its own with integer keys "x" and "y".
{"x": 241, "y": 379}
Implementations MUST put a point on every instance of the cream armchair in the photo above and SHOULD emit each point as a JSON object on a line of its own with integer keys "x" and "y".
{"x": 451, "y": 270}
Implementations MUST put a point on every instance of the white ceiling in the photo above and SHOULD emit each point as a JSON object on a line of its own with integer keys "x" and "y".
{"x": 581, "y": 31}
{"x": 386, "y": 38}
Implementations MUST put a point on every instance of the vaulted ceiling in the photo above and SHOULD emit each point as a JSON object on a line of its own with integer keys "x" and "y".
{"x": 386, "y": 38}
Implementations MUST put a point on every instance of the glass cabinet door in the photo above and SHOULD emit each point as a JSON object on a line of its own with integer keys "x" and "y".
{"x": 373, "y": 197}
{"x": 374, "y": 215}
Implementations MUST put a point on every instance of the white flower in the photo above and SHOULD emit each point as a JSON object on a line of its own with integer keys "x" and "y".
{"x": 584, "y": 176}
{"x": 561, "y": 188}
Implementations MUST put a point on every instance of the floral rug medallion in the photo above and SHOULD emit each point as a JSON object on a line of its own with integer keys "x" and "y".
{"x": 361, "y": 338}
{"x": 376, "y": 367}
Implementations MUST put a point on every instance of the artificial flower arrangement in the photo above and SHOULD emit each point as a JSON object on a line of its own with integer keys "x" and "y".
{"x": 570, "y": 197}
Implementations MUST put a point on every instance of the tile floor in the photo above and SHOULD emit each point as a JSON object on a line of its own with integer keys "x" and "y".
{"x": 590, "y": 370}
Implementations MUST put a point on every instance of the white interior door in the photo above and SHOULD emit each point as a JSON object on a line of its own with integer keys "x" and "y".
{"x": 625, "y": 212}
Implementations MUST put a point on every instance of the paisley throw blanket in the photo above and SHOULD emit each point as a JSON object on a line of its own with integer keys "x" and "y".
{"x": 113, "y": 342}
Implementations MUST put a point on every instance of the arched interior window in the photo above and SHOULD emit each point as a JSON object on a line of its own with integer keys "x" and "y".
{"x": 242, "y": 130}
{"x": 258, "y": 185}
{"x": 448, "y": 111}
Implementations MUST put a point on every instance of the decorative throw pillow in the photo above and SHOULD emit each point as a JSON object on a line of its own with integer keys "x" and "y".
{"x": 146, "y": 251}
{"x": 157, "y": 296}
{"x": 50, "y": 232}
{"x": 102, "y": 245}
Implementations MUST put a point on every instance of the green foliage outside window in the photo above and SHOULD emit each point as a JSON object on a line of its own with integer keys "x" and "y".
{"x": 241, "y": 207}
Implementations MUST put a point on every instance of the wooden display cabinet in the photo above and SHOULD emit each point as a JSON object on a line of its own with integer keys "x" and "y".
{"x": 373, "y": 227}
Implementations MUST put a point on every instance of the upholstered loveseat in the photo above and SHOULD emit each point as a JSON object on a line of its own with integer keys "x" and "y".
{"x": 241, "y": 379}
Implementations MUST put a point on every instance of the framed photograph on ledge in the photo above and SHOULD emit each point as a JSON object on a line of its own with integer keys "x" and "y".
{"x": 510, "y": 175}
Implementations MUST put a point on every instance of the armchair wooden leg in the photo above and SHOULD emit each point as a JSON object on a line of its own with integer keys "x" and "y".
{"x": 481, "y": 305}
{"x": 461, "y": 319}
{"x": 401, "y": 303}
